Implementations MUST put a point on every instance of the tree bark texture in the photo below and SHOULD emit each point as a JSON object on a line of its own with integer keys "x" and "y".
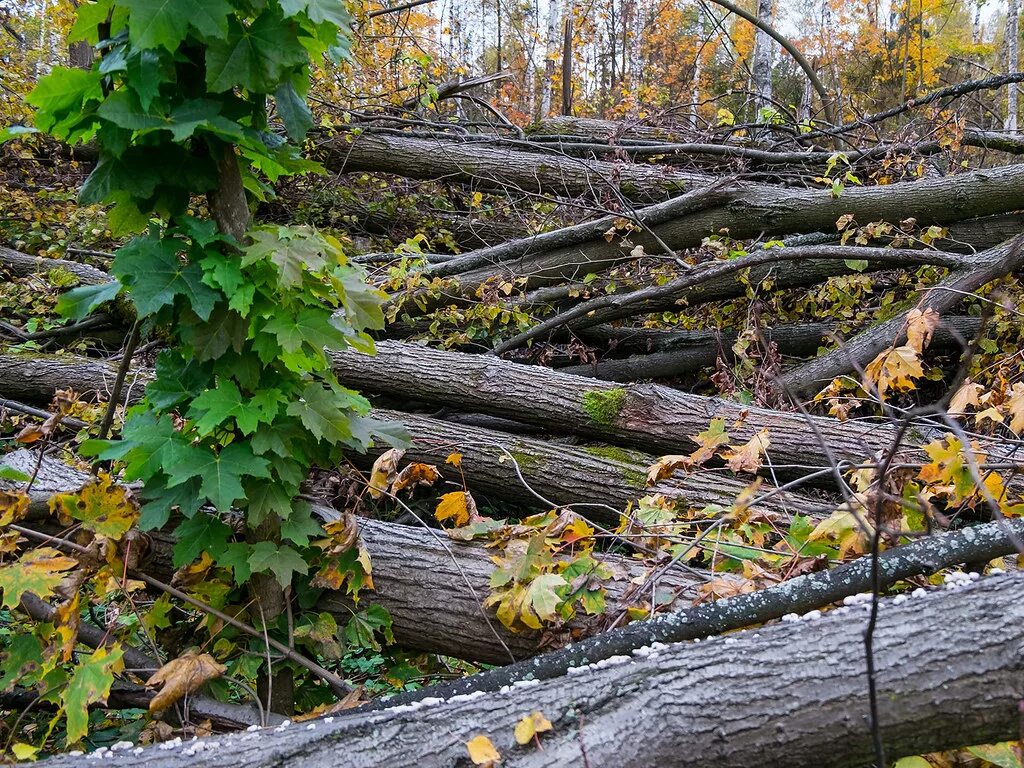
{"x": 501, "y": 169}
{"x": 949, "y": 672}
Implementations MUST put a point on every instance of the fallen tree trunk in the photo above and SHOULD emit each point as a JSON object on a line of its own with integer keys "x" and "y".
{"x": 601, "y": 481}
{"x": 500, "y": 169}
{"x": 762, "y": 209}
{"x": 441, "y": 614}
{"x": 713, "y": 702}
{"x": 19, "y": 264}
{"x": 667, "y": 353}
{"x": 650, "y": 417}
{"x": 856, "y": 353}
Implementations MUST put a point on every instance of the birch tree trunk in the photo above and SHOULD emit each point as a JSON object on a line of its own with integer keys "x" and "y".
{"x": 1012, "y": 65}
{"x": 764, "y": 55}
{"x": 550, "y": 54}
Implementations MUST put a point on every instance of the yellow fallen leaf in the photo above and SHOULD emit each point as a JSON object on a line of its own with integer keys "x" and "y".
{"x": 966, "y": 395}
{"x": 482, "y": 751}
{"x": 455, "y": 459}
{"x": 529, "y": 726}
{"x": 747, "y": 457}
{"x": 384, "y": 469}
{"x": 895, "y": 369}
{"x": 1015, "y": 407}
{"x": 183, "y": 675}
{"x": 920, "y": 327}
{"x": 457, "y": 506}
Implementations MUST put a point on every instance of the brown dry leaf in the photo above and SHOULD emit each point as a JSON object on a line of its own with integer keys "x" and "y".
{"x": 351, "y": 700}
{"x": 895, "y": 369}
{"x": 384, "y": 469}
{"x": 966, "y": 395}
{"x": 1015, "y": 407}
{"x": 920, "y": 327}
{"x": 415, "y": 474}
{"x": 193, "y": 574}
{"x": 457, "y": 506}
{"x": 666, "y": 465}
{"x": 991, "y": 414}
{"x": 183, "y": 675}
{"x": 529, "y": 726}
{"x": 747, "y": 458}
{"x": 482, "y": 751}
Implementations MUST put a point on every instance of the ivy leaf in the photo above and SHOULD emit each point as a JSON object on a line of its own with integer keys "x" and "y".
{"x": 221, "y": 472}
{"x": 325, "y": 411}
{"x": 283, "y": 561}
{"x": 90, "y": 683}
{"x": 200, "y": 533}
{"x": 319, "y": 11}
{"x": 81, "y": 301}
{"x": 255, "y": 57}
{"x": 293, "y": 110}
{"x": 165, "y": 23}
{"x": 153, "y": 270}
{"x": 38, "y": 572}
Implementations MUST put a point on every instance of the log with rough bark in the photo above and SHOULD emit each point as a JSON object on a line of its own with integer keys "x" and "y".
{"x": 601, "y": 481}
{"x": 500, "y": 169}
{"x": 650, "y": 417}
{"x": 948, "y": 672}
{"x": 754, "y": 209}
{"x": 441, "y": 614}
{"x": 667, "y": 353}
{"x": 19, "y": 264}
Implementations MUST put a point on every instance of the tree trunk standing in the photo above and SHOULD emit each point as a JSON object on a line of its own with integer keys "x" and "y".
{"x": 230, "y": 209}
{"x": 567, "y": 63}
{"x": 1012, "y": 65}
{"x": 80, "y": 55}
{"x": 550, "y": 52}
{"x": 764, "y": 56}
{"x": 949, "y": 672}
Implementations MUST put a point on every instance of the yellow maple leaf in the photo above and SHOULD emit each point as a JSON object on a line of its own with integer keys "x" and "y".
{"x": 894, "y": 369}
{"x": 457, "y": 506}
{"x": 747, "y": 457}
{"x": 1015, "y": 408}
{"x": 183, "y": 675}
{"x": 482, "y": 751}
{"x": 455, "y": 459}
{"x": 966, "y": 395}
{"x": 529, "y": 726}
{"x": 920, "y": 328}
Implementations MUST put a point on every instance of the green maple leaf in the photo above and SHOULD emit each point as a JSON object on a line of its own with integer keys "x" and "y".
{"x": 292, "y": 250}
{"x": 123, "y": 108}
{"x": 325, "y": 411}
{"x": 218, "y": 406}
{"x": 299, "y": 526}
{"x": 160, "y": 501}
{"x": 89, "y": 684}
{"x": 254, "y": 57}
{"x": 165, "y": 23}
{"x": 266, "y": 498}
{"x": 147, "y": 444}
{"x": 79, "y": 302}
{"x": 236, "y": 557}
{"x": 24, "y": 657}
{"x": 293, "y": 111}
{"x": 211, "y": 339}
{"x": 362, "y": 303}
{"x": 283, "y": 561}
{"x": 221, "y": 472}
{"x": 200, "y": 533}
{"x": 362, "y": 628}
{"x": 153, "y": 271}
{"x": 176, "y": 380}
{"x": 60, "y": 97}
{"x": 319, "y": 11}
{"x": 37, "y": 572}
{"x": 311, "y": 326}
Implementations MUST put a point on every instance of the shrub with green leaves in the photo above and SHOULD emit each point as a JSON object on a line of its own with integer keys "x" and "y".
{"x": 244, "y": 401}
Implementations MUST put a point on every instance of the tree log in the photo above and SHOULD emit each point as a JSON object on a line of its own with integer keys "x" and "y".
{"x": 19, "y": 264}
{"x": 440, "y": 614}
{"x": 789, "y": 695}
{"x": 500, "y": 169}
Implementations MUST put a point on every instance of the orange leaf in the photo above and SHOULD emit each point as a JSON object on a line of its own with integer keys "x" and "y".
{"x": 455, "y": 459}
{"x": 895, "y": 369}
{"x": 415, "y": 474}
{"x": 920, "y": 327}
{"x": 457, "y": 506}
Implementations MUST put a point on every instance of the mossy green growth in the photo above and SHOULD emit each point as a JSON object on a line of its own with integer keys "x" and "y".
{"x": 603, "y": 405}
{"x": 634, "y": 477}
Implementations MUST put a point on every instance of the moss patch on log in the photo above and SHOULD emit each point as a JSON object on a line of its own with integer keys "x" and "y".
{"x": 635, "y": 477}
{"x": 603, "y": 405}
